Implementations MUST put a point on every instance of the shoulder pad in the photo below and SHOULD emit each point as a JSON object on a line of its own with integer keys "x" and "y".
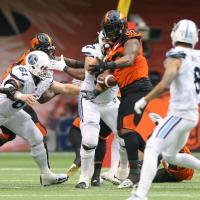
{"x": 173, "y": 53}
{"x": 20, "y": 73}
{"x": 133, "y": 34}
{"x": 92, "y": 50}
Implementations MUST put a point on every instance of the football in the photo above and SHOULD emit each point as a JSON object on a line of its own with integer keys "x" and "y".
{"x": 106, "y": 80}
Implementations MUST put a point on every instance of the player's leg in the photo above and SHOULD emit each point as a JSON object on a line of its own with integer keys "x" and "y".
{"x": 100, "y": 152}
{"x": 34, "y": 117}
{"x": 75, "y": 139}
{"x": 6, "y": 135}
{"x": 90, "y": 118}
{"x": 165, "y": 137}
{"x": 127, "y": 122}
{"x": 23, "y": 126}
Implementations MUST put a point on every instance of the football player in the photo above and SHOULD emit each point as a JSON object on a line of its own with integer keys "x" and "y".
{"x": 42, "y": 42}
{"x": 127, "y": 63}
{"x": 24, "y": 85}
{"x": 173, "y": 131}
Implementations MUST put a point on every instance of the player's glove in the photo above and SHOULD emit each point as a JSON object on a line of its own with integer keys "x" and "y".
{"x": 139, "y": 105}
{"x": 101, "y": 67}
{"x": 59, "y": 65}
{"x": 89, "y": 95}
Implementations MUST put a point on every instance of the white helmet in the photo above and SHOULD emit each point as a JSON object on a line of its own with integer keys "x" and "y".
{"x": 37, "y": 63}
{"x": 185, "y": 31}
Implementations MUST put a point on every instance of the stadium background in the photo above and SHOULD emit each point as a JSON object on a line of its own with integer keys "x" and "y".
{"x": 73, "y": 24}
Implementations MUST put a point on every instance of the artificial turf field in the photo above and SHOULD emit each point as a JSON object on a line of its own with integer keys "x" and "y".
{"x": 19, "y": 180}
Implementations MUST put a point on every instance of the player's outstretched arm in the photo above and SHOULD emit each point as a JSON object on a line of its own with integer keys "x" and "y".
{"x": 172, "y": 66}
{"x": 65, "y": 88}
{"x": 72, "y": 67}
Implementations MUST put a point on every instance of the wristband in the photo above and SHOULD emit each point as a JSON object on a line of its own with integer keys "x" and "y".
{"x": 111, "y": 65}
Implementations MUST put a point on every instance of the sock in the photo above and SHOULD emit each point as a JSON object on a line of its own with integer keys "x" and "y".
{"x": 87, "y": 157}
{"x": 123, "y": 158}
{"x": 39, "y": 154}
{"x": 99, "y": 157}
{"x": 149, "y": 169}
{"x": 75, "y": 139}
{"x": 114, "y": 156}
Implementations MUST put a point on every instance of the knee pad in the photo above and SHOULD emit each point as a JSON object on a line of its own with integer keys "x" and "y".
{"x": 90, "y": 134}
{"x": 88, "y": 148}
{"x": 37, "y": 149}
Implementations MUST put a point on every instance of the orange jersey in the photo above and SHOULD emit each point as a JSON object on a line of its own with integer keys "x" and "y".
{"x": 76, "y": 122}
{"x": 180, "y": 173}
{"x": 21, "y": 61}
{"x": 138, "y": 70}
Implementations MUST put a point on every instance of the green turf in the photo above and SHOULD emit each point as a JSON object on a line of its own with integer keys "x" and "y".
{"x": 20, "y": 181}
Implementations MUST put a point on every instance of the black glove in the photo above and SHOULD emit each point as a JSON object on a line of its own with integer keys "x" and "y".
{"x": 89, "y": 95}
{"x": 101, "y": 67}
{"x": 10, "y": 91}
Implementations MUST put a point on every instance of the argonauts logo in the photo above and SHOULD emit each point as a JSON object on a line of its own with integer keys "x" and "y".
{"x": 32, "y": 59}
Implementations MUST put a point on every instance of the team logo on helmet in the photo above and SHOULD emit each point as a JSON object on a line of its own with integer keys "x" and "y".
{"x": 32, "y": 59}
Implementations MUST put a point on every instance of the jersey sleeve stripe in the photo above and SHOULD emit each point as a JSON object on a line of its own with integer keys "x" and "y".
{"x": 15, "y": 77}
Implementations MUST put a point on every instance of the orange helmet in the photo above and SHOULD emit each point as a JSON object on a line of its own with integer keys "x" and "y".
{"x": 114, "y": 24}
{"x": 43, "y": 42}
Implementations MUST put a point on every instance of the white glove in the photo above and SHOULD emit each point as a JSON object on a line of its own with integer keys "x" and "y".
{"x": 58, "y": 64}
{"x": 139, "y": 105}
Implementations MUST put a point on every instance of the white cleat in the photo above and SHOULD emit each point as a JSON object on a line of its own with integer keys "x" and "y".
{"x": 134, "y": 197}
{"x": 51, "y": 178}
{"x": 155, "y": 118}
{"x": 126, "y": 184}
{"x": 121, "y": 174}
{"x": 110, "y": 178}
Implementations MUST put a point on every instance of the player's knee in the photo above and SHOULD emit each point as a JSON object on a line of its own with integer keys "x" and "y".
{"x": 169, "y": 158}
{"x": 87, "y": 147}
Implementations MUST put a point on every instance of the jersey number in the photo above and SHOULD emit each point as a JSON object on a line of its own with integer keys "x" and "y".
{"x": 18, "y": 104}
{"x": 23, "y": 71}
{"x": 197, "y": 79}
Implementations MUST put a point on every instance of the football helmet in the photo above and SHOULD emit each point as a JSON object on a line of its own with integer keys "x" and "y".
{"x": 185, "y": 31}
{"x": 43, "y": 42}
{"x": 37, "y": 63}
{"x": 113, "y": 24}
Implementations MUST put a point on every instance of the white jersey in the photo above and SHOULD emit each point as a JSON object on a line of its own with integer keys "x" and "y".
{"x": 90, "y": 80}
{"x": 21, "y": 74}
{"x": 185, "y": 88}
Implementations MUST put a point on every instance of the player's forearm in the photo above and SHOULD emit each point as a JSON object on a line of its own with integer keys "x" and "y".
{"x": 75, "y": 73}
{"x": 71, "y": 89}
{"x": 125, "y": 61}
{"x": 157, "y": 91}
{"x": 74, "y": 63}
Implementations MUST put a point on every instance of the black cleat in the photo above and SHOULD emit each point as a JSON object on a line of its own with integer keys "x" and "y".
{"x": 81, "y": 185}
{"x": 95, "y": 181}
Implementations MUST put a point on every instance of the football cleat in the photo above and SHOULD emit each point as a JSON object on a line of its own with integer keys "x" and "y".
{"x": 155, "y": 118}
{"x": 82, "y": 185}
{"x": 51, "y": 178}
{"x": 110, "y": 178}
{"x": 72, "y": 170}
{"x": 126, "y": 184}
{"x": 135, "y": 197}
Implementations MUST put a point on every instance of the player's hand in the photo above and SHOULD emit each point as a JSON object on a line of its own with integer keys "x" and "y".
{"x": 98, "y": 68}
{"x": 140, "y": 105}
{"x": 9, "y": 91}
{"x": 29, "y": 99}
{"x": 58, "y": 64}
{"x": 89, "y": 95}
